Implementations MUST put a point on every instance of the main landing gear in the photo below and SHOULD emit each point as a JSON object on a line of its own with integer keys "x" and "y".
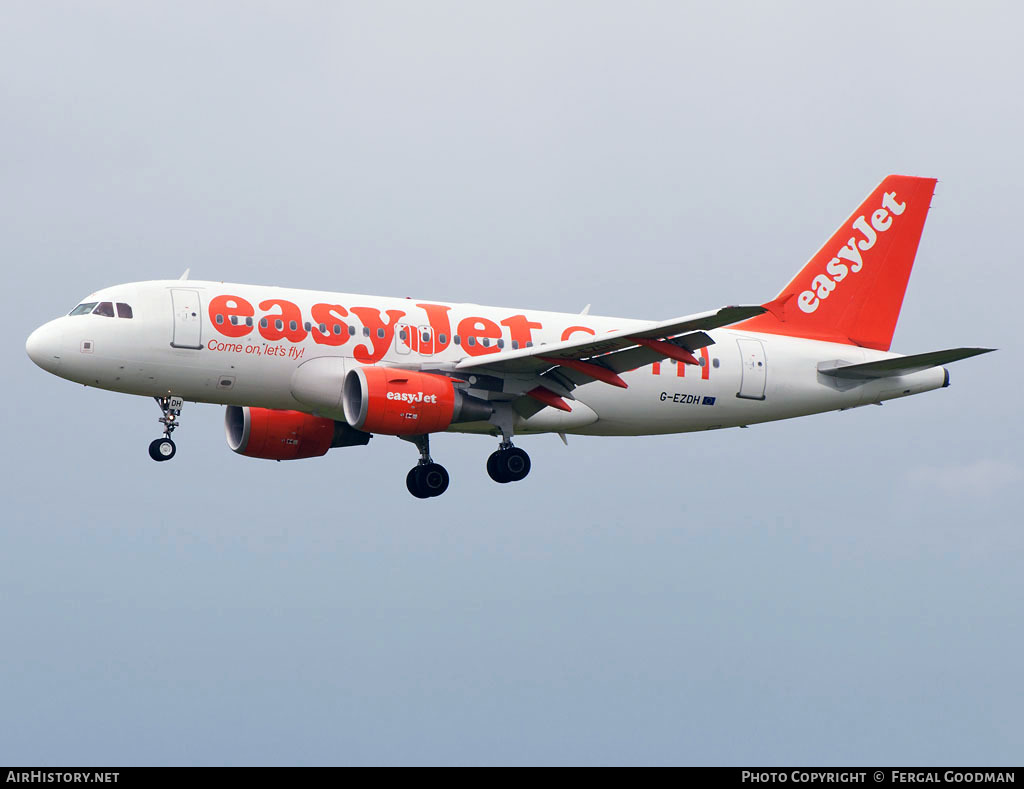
{"x": 427, "y": 478}
{"x": 508, "y": 463}
{"x": 163, "y": 448}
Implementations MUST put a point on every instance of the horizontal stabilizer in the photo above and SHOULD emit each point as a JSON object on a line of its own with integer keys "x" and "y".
{"x": 901, "y": 365}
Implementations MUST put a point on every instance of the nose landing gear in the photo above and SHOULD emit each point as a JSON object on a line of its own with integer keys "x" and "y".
{"x": 163, "y": 448}
{"x": 427, "y": 479}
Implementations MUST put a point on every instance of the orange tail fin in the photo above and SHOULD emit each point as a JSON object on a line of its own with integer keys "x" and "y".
{"x": 851, "y": 291}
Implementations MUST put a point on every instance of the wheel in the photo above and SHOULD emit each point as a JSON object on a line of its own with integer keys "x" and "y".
{"x": 496, "y": 467}
{"x": 427, "y": 481}
{"x": 162, "y": 449}
{"x": 433, "y": 479}
{"x": 414, "y": 484}
{"x": 517, "y": 464}
{"x": 508, "y": 465}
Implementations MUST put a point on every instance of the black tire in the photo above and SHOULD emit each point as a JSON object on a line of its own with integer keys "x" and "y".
{"x": 413, "y": 481}
{"x": 162, "y": 449}
{"x": 517, "y": 464}
{"x": 433, "y": 479}
{"x": 496, "y": 467}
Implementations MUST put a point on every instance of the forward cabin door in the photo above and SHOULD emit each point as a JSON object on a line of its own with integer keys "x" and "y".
{"x": 188, "y": 324}
{"x": 754, "y": 369}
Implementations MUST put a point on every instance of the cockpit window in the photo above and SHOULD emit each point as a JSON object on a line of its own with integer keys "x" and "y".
{"x": 104, "y": 308}
{"x": 124, "y": 310}
{"x": 83, "y": 309}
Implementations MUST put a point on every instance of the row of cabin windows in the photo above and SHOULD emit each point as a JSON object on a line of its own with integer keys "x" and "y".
{"x": 442, "y": 339}
{"x": 104, "y": 308}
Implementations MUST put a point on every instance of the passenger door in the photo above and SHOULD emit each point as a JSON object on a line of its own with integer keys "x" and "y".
{"x": 188, "y": 324}
{"x": 754, "y": 369}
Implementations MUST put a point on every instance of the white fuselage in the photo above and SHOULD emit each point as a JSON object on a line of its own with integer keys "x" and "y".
{"x": 192, "y": 339}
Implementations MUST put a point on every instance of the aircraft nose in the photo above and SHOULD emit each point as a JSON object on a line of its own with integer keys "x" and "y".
{"x": 43, "y": 346}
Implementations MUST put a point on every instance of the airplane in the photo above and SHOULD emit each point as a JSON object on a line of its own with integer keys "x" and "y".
{"x": 302, "y": 371}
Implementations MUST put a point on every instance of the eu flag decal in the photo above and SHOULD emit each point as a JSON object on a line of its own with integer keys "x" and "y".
{"x": 708, "y": 401}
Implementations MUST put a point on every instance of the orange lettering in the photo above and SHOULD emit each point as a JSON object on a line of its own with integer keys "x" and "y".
{"x": 573, "y": 329}
{"x": 336, "y": 330}
{"x": 520, "y": 328}
{"x": 437, "y": 315}
{"x": 286, "y": 325}
{"x": 472, "y": 330}
{"x": 228, "y": 307}
{"x": 371, "y": 319}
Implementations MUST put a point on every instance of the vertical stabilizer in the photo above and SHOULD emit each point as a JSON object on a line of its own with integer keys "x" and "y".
{"x": 851, "y": 291}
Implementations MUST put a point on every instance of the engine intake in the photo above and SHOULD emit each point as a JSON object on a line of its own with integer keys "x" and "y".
{"x": 406, "y": 403}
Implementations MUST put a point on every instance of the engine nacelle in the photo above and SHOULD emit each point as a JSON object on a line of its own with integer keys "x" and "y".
{"x": 285, "y": 435}
{"x": 406, "y": 403}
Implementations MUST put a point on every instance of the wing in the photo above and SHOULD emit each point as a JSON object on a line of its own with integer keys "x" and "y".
{"x": 619, "y": 351}
{"x": 548, "y": 373}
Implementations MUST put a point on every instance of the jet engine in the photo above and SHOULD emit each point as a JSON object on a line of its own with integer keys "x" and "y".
{"x": 285, "y": 435}
{"x": 406, "y": 403}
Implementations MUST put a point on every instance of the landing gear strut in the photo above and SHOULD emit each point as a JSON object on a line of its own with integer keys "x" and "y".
{"x": 426, "y": 479}
{"x": 163, "y": 448}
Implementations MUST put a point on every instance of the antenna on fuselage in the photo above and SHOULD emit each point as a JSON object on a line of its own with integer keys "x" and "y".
{"x": 185, "y": 274}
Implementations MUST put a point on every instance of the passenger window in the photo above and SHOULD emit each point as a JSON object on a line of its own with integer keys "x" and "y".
{"x": 123, "y": 310}
{"x": 442, "y": 339}
{"x": 714, "y": 363}
{"x": 293, "y": 325}
{"x": 308, "y": 325}
{"x": 104, "y": 308}
{"x": 279, "y": 324}
{"x": 501, "y": 343}
{"x": 234, "y": 320}
{"x": 366, "y": 331}
{"x": 351, "y": 330}
{"x": 380, "y": 333}
{"x": 83, "y": 309}
{"x": 515, "y": 345}
{"x": 402, "y": 335}
{"x": 323, "y": 328}
{"x": 471, "y": 341}
{"x": 248, "y": 321}
{"x": 220, "y": 319}
{"x": 264, "y": 323}
{"x": 458, "y": 339}
{"x": 337, "y": 328}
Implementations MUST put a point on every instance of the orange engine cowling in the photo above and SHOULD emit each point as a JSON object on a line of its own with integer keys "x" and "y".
{"x": 277, "y": 435}
{"x": 406, "y": 403}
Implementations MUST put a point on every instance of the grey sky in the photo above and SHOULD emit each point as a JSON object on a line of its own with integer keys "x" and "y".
{"x": 840, "y": 589}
